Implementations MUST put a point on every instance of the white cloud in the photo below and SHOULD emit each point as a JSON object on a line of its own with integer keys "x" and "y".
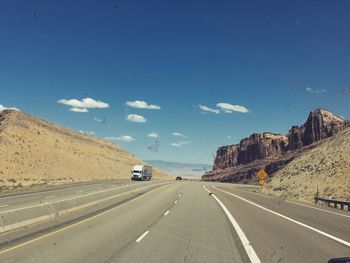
{"x": 85, "y": 103}
{"x": 136, "y": 118}
{"x": 139, "y": 104}
{"x": 2, "y": 108}
{"x": 87, "y": 132}
{"x": 100, "y": 120}
{"x": 153, "y": 135}
{"x": 230, "y": 108}
{"x": 316, "y": 91}
{"x": 75, "y": 109}
{"x": 125, "y": 138}
{"x": 179, "y": 134}
{"x": 180, "y": 144}
{"x": 207, "y": 109}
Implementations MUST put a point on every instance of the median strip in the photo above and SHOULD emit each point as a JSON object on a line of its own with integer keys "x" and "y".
{"x": 79, "y": 222}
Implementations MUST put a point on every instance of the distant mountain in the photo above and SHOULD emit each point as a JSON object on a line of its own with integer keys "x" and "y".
{"x": 191, "y": 170}
{"x": 240, "y": 162}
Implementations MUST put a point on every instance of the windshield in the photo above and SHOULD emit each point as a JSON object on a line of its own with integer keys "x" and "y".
{"x": 174, "y": 131}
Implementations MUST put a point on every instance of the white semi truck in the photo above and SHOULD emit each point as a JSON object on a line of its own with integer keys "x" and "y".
{"x": 141, "y": 173}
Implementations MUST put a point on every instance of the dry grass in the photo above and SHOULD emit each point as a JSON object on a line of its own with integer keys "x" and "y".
{"x": 34, "y": 151}
{"x": 326, "y": 166}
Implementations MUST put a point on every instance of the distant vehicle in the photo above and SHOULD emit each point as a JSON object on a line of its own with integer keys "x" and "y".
{"x": 141, "y": 173}
{"x": 178, "y": 178}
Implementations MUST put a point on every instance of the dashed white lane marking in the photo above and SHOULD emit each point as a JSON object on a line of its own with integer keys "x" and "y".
{"x": 323, "y": 210}
{"x": 1, "y": 206}
{"x": 175, "y": 202}
{"x": 142, "y": 237}
{"x": 346, "y": 243}
{"x": 50, "y": 197}
{"x": 246, "y": 244}
{"x": 166, "y": 213}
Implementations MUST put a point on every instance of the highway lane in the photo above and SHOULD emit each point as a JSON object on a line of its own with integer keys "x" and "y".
{"x": 181, "y": 222}
{"x": 31, "y": 199}
{"x": 178, "y": 222}
{"x": 276, "y": 239}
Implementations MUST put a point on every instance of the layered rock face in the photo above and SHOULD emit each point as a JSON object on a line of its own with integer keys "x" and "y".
{"x": 273, "y": 151}
{"x": 257, "y": 146}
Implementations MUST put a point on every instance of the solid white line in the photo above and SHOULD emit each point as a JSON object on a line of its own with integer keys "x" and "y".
{"x": 141, "y": 237}
{"x": 346, "y": 243}
{"x": 316, "y": 208}
{"x": 175, "y": 202}
{"x": 166, "y": 213}
{"x": 246, "y": 244}
{"x": 1, "y": 206}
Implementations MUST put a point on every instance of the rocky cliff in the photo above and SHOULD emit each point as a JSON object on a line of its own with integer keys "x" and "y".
{"x": 240, "y": 162}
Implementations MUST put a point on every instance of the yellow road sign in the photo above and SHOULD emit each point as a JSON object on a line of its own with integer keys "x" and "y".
{"x": 262, "y": 174}
{"x": 261, "y": 182}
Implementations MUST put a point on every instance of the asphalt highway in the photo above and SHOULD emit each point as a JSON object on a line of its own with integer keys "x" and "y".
{"x": 188, "y": 222}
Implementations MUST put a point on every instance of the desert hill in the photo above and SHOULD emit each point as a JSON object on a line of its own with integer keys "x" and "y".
{"x": 326, "y": 166}
{"x": 34, "y": 151}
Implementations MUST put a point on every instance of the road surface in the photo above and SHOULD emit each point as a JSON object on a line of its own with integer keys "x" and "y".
{"x": 183, "y": 222}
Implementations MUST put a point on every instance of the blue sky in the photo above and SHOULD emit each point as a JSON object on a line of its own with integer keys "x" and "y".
{"x": 278, "y": 59}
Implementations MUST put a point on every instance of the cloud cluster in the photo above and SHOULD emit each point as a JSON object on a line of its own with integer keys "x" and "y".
{"x": 136, "y": 118}
{"x": 207, "y": 109}
{"x": 154, "y": 135}
{"x": 2, "y": 108}
{"x": 179, "y": 134}
{"x": 315, "y": 91}
{"x": 125, "y": 138}
{"x": 180, "y": 144}
{"x": 84, "y": 104}
{"x": 224, "y": 107}
{"x": 140, "y": 104}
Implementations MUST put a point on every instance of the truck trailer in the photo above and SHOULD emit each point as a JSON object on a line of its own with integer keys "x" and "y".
{"x": 141, "y": 173}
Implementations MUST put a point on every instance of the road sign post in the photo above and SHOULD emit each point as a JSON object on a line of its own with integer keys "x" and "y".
{"x": 262, "y": 175}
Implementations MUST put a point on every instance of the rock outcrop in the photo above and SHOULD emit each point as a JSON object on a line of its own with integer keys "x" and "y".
{"x": 239, "y": 162}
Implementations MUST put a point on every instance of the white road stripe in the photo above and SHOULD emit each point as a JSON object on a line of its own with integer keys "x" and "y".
{"x": 246, "y": 244}
{"x": 1, "y": 206}
{"x": 49, "y": 197}
{"x": 166, "y": 213}
{"x": 323, "y": 210}
{"x": 346, "y": 243}
{"x": 141, "y": 237}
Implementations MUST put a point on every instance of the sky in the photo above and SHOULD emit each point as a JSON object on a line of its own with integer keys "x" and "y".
{"x": 174, "y": 80}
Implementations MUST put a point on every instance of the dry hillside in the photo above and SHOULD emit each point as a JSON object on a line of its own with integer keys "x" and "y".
{"x": 34, "y": 151}
{"x": 326, "y": 166}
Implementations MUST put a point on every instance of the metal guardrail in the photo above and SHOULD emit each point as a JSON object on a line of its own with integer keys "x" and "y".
{"x": 334, "y": 202}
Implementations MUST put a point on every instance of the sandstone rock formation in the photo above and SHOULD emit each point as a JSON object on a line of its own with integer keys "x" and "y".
{"x": 240, "y": 162}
